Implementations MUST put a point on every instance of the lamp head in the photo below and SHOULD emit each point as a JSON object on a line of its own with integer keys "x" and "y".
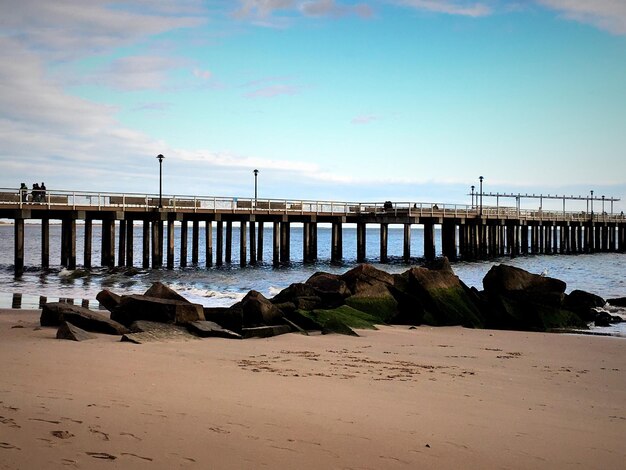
{"x": 160, "y": 158}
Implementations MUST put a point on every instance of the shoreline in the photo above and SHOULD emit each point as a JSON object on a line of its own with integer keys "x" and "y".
{"x": 444, "y": 397}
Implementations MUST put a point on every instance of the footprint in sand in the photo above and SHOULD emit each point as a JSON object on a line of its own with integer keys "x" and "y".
{"x": 104, "y": 435}
{"x": 6, "y": 445}
{"x": 62, "y": 434}
{"x": 130, "y": 435}
{"x": 149, "y": 459}
{"x": 101, "y": 455}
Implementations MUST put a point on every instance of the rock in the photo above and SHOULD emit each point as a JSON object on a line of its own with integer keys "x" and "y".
{"x": 582, "y": 303}
{"x": 602, "y": 318}
{"x": 161, "y": 291}
{"x": 230, "y": 318}
{"x": 519, "y": 300}
{"x": 207, "y": 329}
{"x": 293, "y": 292}
{"x": 73, "y": 333}
{"x": 303, "y": 321}
{"x": 331, "y": 289}
{"x": 53, "y": 313}
{"x": 150, "y": 332}
{"x": 439, "y": 298}
{"x": 344, "y": 314}
{"x": 142, "y": 307}
{"x": 108, "y": 299}
{"x": 265, "y": 331}
{"x": 618, "y": 302}
{"x": 366, "y": 281}
{"x": 258, "y": 311}
{"x": 505, "y": 279}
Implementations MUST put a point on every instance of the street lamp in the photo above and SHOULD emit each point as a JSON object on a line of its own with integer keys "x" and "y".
{"x": 480, "y": 178}
{"x": 473, "y": 196}
{"x": 160, "y": 158}
{"x": 592, "y": 204}
{"x": 603, "y": 204}
{"x": 256, "y": 174}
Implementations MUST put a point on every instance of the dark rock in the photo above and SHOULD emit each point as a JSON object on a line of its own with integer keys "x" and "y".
{"x": 519, "y": 300}
{"x": 258, "y": 311}
{"x": 54, "y": 313}
{"x": 583, "y": 303}
{"x": 344, "y": 314}
{"x": 440, "y": 298}
{"x": 331, "y": 289}
{"x": 505, "y": 279}
{"x": 285, "y": 307}
{"x": 295, "y": 327}
{"x": 150, "y": 332}
{"x": 108, "y": 299}
{"x": 141, "y": 307}
{"x": 73, "y": 333}
{"x": 230, "y": 318}
{"x": 618, "y": 302}
{"x": 602, "y": 318}
{"x": 161, "y": 291}
{"x": 207, "y": 329}
{"x": 265, "y": 331}
{"x": 293, "y": 292}
{"x": 367, "y": 281}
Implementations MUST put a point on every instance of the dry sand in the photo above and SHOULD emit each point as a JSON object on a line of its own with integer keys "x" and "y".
{"x": 444, "y": 398}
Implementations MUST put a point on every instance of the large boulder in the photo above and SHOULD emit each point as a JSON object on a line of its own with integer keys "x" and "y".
{"x": 519, "y": 300}
{"x": 210, "y": 329}
{"x": 583, "y": 303}
{"x": 161, "y": 291}
{"x": 258, "y": 311}
{"x": 439, "y": 297}
{"x": 365, "y": 280}
{"x": 617, "y": 302}
{"x": 108, "y": 299}
{"x": 266, "y": 331}
{"x": 144, "y": 331}
{"x": 54, "y": 313}
{"x": 141, "y": 307}
{"x": 330, "y": 288}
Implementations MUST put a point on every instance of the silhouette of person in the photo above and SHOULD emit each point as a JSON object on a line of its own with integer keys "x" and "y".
{"x": 24, "y": 192}
{"x": 35, "y": 192}
{"x": 42, "y": 192}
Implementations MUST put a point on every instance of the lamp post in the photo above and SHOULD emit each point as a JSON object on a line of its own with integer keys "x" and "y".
{"x": 160, "y": 158}
{"x": 473, "y": 196}
{"x": 592, "y": 204}
{"x": 480, "y": 178}
{"x": 603, "y": 204}
{"x": 256, "y": 174}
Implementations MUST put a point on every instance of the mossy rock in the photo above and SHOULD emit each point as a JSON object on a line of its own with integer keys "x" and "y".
{"x": 382, "y": 308}
{"x": 338, "y": 327}
{"x": 452, "y": 306}
{"x": 350, "y": 316}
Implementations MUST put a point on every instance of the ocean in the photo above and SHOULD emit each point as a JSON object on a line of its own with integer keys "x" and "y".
{"x": 603, "y": 274}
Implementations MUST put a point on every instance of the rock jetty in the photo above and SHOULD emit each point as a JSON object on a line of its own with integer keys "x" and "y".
{"x": 363, "y": 297}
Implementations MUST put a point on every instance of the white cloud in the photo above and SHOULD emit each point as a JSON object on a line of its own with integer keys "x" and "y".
{"x": 262, "y": 12}
{"x": 609, "y": 15}
{"x": 450, "y": 7}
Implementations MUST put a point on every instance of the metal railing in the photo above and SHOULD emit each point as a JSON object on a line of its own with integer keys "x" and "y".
{"x": 83, "y": 200}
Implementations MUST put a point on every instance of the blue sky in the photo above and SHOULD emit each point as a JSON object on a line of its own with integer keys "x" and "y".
{"x": 408, "y": 100}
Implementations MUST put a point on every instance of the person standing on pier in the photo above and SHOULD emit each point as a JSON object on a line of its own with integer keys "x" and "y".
{"x": 35, "y": 193}
{"x": 24, "y": 192}
{"x": 42, "y": 192}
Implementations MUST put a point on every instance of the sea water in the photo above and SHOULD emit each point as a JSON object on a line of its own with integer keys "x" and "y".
{"x": 600, "y": 273}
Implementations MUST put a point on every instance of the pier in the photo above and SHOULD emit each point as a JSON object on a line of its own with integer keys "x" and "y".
{"x": 467, "y": 232}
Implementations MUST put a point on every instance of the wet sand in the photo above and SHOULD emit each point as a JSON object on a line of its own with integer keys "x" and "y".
{"x": 443, "y": 398}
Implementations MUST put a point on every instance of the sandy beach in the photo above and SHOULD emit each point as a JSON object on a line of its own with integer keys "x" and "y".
{"x": 439, "y": 398}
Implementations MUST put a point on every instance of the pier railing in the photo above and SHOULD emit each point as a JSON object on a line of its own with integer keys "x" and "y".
{"x": 83, "y": 200}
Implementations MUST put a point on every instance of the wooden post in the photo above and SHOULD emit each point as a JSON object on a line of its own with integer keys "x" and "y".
{"x": 155, "y": 244}
{"x": 171, "y": 233}
{"x": 71, "y": 243}
{"x": 195, "y": 235}
{"x": 361, "y": 242}
{"x": 208, "y": 234}
{"x": 45, "y": 243}
{"x": 337, "y": 242}
{"x": 285, "y": 228}
{"x": 130, "y": 235}
{"x": 19, "y": 247}
{"x": 429, "y": 241}
{"x": 306, "y": 242}
{"x": 406, "y": 252}
{"x": 384, "y": 236}
{"x": 242, "y": 243}
{"x": 259, "y": 251}
{"x": 121, "y": 245}
{"x": 253, "y": 257}
{"x": 184, "y": 230}
{"x": 314, "y": 241}
{"x": 276, "y": 244}
{"x": 229, "y": 241}
{"x": 448, "y": 239}
{"x": 107, "y": 258}
{"x": 145, "y": 240}
{"x": 219, "y": 242}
